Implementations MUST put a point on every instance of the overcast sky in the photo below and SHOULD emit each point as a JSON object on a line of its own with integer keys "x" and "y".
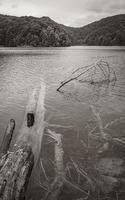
{"x": 68, "y": 12}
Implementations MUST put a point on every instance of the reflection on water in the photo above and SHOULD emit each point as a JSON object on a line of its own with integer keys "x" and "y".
{"x": 22, "y": 70}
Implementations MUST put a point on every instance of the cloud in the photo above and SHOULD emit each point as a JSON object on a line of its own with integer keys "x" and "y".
{"x": 0, "y": 2}
{"x": 14, "y": 6}
{"x": 69, "y": 12}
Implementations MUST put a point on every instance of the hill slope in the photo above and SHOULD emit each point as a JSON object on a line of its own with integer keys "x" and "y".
{"x": 32, "y": 31}
{"x": 107, "y": 31}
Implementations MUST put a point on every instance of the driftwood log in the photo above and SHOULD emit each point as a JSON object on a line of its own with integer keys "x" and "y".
{"x": 15, "y": 167}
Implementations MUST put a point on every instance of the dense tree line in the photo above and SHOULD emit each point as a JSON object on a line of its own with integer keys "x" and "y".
{"x": 31, "y": 31}
{"x": 37, "y": 32}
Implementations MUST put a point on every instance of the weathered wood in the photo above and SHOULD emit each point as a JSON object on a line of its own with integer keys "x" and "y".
{"x": 15, "y": 173}
{"x": 7, "y": 138}
{"x": 32, "y": 128}
{"x": 99, "y": 72}
{"x": 16, "y": 166}
{"x": 58, "y": 183}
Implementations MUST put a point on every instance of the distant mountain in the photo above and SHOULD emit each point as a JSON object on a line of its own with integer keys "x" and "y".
{"x": 37, "y": 32}
{"x": 107, "y": 31}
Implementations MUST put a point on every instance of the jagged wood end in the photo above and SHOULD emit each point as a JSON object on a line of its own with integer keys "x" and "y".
{"x": 7, "y": 137}
{"x": 15, "y": 173}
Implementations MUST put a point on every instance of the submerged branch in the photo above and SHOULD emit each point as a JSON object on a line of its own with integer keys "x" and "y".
{"x": 106, "y": 71}
{"x": 58, "y": 182}
{"x": 98, "y": 120}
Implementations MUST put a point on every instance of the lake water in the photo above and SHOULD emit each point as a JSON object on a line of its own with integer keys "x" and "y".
{"x": 22, "y": 70}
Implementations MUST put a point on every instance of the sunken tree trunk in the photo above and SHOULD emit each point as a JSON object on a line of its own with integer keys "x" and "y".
{"x": 58, "y": 183}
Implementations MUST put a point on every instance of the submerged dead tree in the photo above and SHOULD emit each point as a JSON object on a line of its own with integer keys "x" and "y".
{"x": 101, "y": 139}
{"x": 102, "y": 168}
{"x": 57, "y": 187}
{"x": 100, "y": 72}
{"x": 57, "y": 184}
{"x": 97, "y": 79}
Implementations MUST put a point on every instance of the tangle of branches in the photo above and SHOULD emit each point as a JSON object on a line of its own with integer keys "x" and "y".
{"x": 99, "y": 72}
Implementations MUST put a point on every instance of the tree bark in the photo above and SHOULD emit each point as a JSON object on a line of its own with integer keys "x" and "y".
{"x": 15, "y": 173}
{"x": 15, "y": 167}
{"x": 7, "y": 138}
{"x": 58, "y": 183}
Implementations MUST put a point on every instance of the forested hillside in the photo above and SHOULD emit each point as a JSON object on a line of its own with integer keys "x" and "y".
{"x": 31, "y": 31}
{"x": 107, "y": 31}
{"x": 37, "y": 32}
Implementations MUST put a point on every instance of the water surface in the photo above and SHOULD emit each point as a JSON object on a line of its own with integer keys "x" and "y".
{"x": 22, "y": 70}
